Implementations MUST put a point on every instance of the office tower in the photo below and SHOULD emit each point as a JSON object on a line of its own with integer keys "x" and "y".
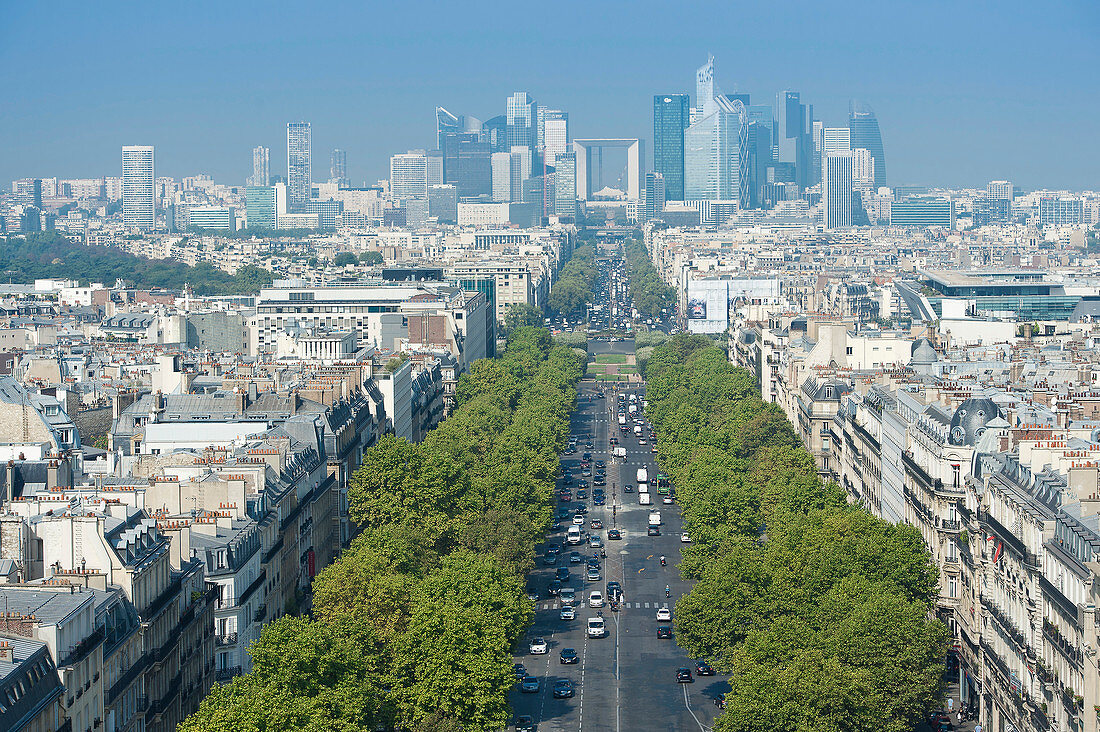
{"x": 818, "y": 131}
{"x": 553, "y": 134}
{"x": 299, "y": 164}
{"x": 837, "y": 189}
{"x": 261, "y": 166}
{"x": 466, "y": 163}
{"x": 211, "y": 218}
{"x": 705, "y": 103}
{"x": 409, "y": 175}
{"x": 565, "y": 184}
{"x": 863, "y": 169}
{"x": 28, "y": 191}
{"x": 443, "y": 203}
{"x": 138, "y": 199}
{"x": 445, "y": 124}
{"x": 712, "y": 158}
{"x": 261, "y": 208}
{"x": 434, "y": 168}
{"x": 1000, "y": 190}
{"x": 1061, "y": 211}
{"x": 832, "y": 139}
{"x": 654, "y": 196}
{"x": 522, "y": 120}
{"x": 794, "y": 143}
{"x": 671, "y": 116}
{"x": 502, "y": 177}
{"x": 495, "y": 132}
{"x": 338, "y": 167}
{"x": 865, "y": 133}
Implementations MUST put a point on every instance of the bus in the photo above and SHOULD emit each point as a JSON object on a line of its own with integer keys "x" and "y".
{"x": 664, "y": 485}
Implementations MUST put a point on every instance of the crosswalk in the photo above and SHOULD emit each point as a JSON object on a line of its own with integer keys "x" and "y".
{"x": 625, "y": 605}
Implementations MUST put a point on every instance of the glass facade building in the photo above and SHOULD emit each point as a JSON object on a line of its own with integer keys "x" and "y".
{"x": 923, "y": 213}
{"x": 138, "y": 195}
{"x": 712, "y": 158}
{"x": 299, "y": 157}
{"x": 260, "y": 208}
{"x": 865, "y": 134}
{"x": 565, "y": 184}
{"x": 671, "y": 115}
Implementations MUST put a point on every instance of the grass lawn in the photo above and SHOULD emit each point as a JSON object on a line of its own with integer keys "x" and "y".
{"x": 610, "y": 358}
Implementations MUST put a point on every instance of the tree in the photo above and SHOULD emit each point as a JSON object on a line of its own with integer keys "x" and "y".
{"x": 345, "y": 259}
{"x": 371, "y": 258}
{"x": 520, "y": 315}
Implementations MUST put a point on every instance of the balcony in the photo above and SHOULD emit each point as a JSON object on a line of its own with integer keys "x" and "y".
{"x": 1060, "y": 642}
{"x": 224, "y": 675}
{"x": 229, "y": 639}
{"x": 950, "y": 526}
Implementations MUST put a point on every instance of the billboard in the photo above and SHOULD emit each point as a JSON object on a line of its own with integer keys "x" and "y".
{"x": 697, "y": 309}
{"x": 708, "y": 306}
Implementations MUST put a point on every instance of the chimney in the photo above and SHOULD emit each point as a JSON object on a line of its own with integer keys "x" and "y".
{"x": 52, "y": 475}
{"x": 253, "y": 392}
{"x": 7, "y": 652}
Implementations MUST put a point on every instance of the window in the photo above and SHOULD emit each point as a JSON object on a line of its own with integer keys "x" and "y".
{"x": 849, "y": 350}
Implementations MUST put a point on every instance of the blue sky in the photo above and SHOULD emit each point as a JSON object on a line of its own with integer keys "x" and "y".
{"x": 965, "y": 91}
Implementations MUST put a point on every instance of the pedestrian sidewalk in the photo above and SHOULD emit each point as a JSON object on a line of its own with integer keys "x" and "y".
{"x": 951, "y": 692}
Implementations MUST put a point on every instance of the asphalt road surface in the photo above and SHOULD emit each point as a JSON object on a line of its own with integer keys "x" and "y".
{"x": 626, "y": 680}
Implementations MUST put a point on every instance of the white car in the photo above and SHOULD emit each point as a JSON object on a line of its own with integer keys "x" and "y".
{"x": 664, "y": 614}
{"x": 578, "y": 520}
{"x": 539, "y": 646}
{"x": 685, "y": 539}
{"x": 568, "y": 613}
{"x": 595, "y": 599}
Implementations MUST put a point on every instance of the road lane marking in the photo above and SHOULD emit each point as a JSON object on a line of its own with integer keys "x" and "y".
{"x": 692, "y": 713}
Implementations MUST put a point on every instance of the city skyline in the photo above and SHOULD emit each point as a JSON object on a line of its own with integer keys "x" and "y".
{"x": 939, "y": 129}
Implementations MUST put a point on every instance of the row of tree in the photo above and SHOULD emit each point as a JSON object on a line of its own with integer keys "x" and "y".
{"x": 819, "y": 611}
{"x": 50, "y": 255}
{"x": 576, "y": 282}
{"x": 648, "y": 293}
{"x": 414, "y": 625}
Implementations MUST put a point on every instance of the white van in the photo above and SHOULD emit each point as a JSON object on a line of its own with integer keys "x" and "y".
{"x": 596, "y": 628}
{"x": 643, "y": 488}
{"x": 644, "y": 499}
{"x": 655, "y": 518}
{"x": 573, "y": 535}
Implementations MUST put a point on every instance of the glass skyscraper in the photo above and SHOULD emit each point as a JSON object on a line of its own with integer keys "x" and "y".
{"x": 865, "y": 134}
{"x": 299, "y": 163}
{"x": 671, "y": 115}
{"x": 138, "y": 196}
{"x": 261, "y": 166}
{"x": 565, "y": 184}
{"x": 712, "y": 158}
{"x": 338, "y": 167}
{"x": 522, "y": 119}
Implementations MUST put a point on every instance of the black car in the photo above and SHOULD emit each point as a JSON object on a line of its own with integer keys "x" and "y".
{"x": 563, "y": 689}
{"x": 628, "y": 488}
{"x": 554, "y": 588}
{"x": 599, "y": 480}
{"x": 587, "y": 456}
{"x": 588, "y": 444}
{"x": 562, "y": 574}
{"x": 683, "y": 675}
{"x": 563, "y": 514}
{"x": 525, "y": 723}
{"x": 582, "y": 494}
{"x": 613, "y": 534}
{"x": 664, "y": 631}
{"x": 519, "y": 670}
{"x": 599, "y": 500}
{"x": 600, "y": 464}
{"x": 614, "y": 589}
{"x": 550, "y": 560}
{"x": 569, "y": 655}
{"x": 532, "y": 592}
{"x": 654, "y": 530}
{"x": 702, "y": 668}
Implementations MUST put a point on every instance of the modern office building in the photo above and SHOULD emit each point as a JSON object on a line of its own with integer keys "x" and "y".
{"x": 261, "y": 166}
{"x": 261, "y": 208}
{"x": 411, "y": 173}
{"x": 299, "y": 156}
{"x": 863, "y": 170}
{"x": 1000, "y": 190}
{"x": 565, "y": 185}
{"x": 553, "y": 134}
{"x": 1060, "y": 211}
{"x": 835, "y": 139}
{"x": 211, "y": 218}
{"x": 522, "y": 121}
{"x": 502, "y": 177}
{"x": 138, "y": 198}
{"x": 712, "y": 161}
{"x": 590, "y": 169}
{"x": 654, "y": 196}
{"x": 466, "y": 163}
{"x": 28, "y": 191}
{"x": 338, "y": 167}
{"x": 671, "y": 117}
{"x": 866, "y": 134}
{"x": 794, "y": 143}
{"x": 443, "y": 203}
{"x": 837, "y": 189}
{"x": 923, "y": 212}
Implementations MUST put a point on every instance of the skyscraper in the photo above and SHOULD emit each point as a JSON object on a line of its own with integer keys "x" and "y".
{"x": 502, "y": 177}
{"x": 837, "y": 189}
{"x": 261, "y": 208}
{"x": 522, "y": 120}
{"x": 553, "y": 133}
{"x": 712, "y": 158}
{"x": 261, "y": 166}
{"x": 299, "y": 164}
{"x": 338, "y": 167}
{"x": 671, "y": 116}
{"x": 654, "y": 196}
{"x": 863, "y": 169}
{"x": 794, "y": 143}
{"x": 565, "y": 184}
{"x": 865, "y": 133}
{"x": 409, "y": 175}
{"x": 138, "y": 200}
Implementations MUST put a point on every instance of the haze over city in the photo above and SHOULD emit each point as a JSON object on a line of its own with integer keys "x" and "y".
{"x": 965, "y": 92}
